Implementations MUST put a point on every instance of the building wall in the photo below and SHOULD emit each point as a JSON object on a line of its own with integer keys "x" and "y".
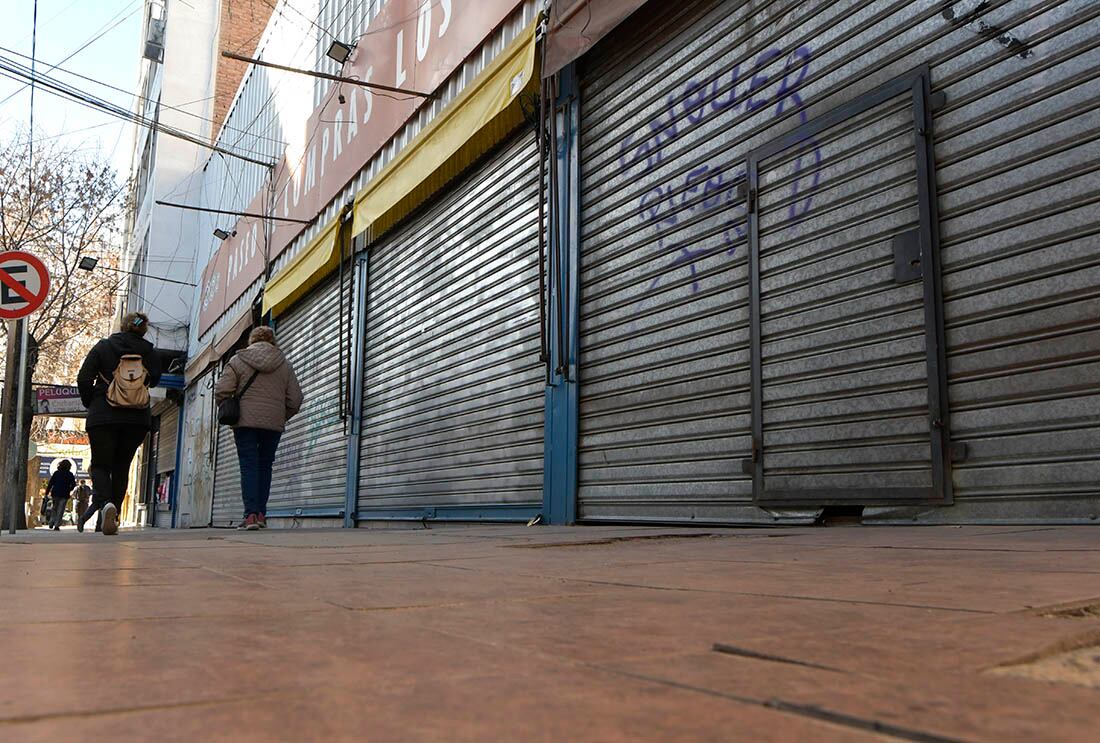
{"x": 242, "y": 24}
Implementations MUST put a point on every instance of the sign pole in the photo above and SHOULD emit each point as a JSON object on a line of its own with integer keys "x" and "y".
{"x": 20, "y": 413}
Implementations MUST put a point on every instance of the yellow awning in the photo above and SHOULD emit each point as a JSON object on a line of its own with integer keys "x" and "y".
{"x": 320, "y": 258}
{"x": 483, "y": 114}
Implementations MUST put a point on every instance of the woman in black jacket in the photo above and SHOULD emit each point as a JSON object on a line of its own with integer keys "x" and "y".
{"x": 115, "y": 433}
{"x": 61, "y": 484}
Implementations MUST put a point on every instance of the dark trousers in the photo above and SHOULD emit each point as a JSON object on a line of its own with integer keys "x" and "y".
{"x": 256, "y": 453}
{"x": 60, "y": 503}
{"x": 113, "y": 449}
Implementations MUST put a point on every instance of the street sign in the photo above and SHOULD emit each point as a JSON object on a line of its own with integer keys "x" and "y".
{"x": 24, "y": 284}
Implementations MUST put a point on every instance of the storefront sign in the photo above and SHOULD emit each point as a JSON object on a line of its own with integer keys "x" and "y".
{"x": 48, "y": 465}
{"x": 57, "y": 400}
{"x": 411, "y": 44}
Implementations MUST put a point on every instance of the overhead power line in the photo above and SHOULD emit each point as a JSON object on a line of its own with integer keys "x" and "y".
{"x": 143, "y": 99}
{"x": 111, "y": 25}
{"x": 64, "y": 90}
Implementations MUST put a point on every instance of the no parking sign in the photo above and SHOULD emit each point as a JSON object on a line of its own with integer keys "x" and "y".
{"x": 24, "y": 284}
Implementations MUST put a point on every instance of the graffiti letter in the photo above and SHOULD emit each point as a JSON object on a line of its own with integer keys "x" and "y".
{"x": 730, "y": 101}
{"x": 691, "y": 181}
{"x": 659, "y": 129}
{"x": 760, "y": 81}
{"x": 712, "y": 190}
{"x": 799, "y": 209}
{"x": 789, "y": 88}
{"x": 695, "y": 96}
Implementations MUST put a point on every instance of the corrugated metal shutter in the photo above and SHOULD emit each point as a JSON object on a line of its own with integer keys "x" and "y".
{"x": 166, "y": 440}
{"x": 672, "y": 104}
{"x": 310, "y": 467}
{"x": 228, "y": 506}
{"x": 196, "y": 474}
{"x": 453, "y": 395}
{"x": 1018, "y": 155}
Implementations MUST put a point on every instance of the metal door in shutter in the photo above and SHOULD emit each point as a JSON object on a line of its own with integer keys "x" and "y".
{"x": 310, "y": 467}
{"x": 454, "y": 389}
{"x": 847, "y": 404}
{"x": 228, "y": 506}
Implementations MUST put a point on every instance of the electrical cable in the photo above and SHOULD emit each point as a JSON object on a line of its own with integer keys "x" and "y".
{"x": 141, "y": 97}
{"x": 63, "y": 90}
{"x": 95, "y": 37}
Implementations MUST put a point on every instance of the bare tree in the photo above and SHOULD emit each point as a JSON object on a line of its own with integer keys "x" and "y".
{"x": 62, "y": 207}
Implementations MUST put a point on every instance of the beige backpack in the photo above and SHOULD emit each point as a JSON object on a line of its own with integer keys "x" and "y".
{"x": 127, "y": 388}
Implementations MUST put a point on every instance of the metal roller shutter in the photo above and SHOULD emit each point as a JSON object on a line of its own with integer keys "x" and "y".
{"x": 166, "y": 440}
{"x": 454, "y": 390}
{"x": 672, "y": 105}
{"x": 228, "y": 506}
{"x": 1018, "y": 152}
{"x": 310, "y": 467}
{"x": 195, "y": 488}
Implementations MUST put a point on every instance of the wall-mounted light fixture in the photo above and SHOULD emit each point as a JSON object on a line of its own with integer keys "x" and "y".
{"x": 338, "y": 51}
{"x": 222, "y": 234}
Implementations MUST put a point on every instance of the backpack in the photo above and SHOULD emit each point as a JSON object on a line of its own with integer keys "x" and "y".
{"x": 126, "y": 388}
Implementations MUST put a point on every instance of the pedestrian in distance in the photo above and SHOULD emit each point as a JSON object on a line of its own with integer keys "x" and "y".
{"x": 81, "y": 496}
{"x": 114, "y": 383}
{"x": 257, "y": 394}
{"x": 61, "y": 484}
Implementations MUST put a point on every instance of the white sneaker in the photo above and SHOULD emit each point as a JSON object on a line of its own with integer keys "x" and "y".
{"x": 110, "y": 519}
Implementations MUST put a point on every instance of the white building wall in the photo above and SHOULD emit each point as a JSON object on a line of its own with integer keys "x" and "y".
{"x": 162, "y": 241}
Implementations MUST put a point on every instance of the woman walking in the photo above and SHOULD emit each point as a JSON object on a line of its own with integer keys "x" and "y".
{"x": 61, "y": 484}
{"x": 260, "y": 377}
{"x": 114, "y": 383}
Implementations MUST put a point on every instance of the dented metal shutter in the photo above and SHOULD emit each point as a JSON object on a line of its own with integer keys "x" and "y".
{"x": 671, "y": 106}
{"x": 310, "y": 467}
{"x": 453, "y": 395}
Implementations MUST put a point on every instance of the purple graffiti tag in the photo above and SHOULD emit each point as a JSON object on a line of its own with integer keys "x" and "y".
{"x": 789, "y": 88}
{"x": 707, "y": 190}
{"x": 760, "y": 81}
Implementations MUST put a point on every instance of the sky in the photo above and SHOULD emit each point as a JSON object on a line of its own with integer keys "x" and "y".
{"x": 109, "y": 32}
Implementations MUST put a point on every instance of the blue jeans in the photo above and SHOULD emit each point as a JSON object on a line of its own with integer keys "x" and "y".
{"x": 256, "y": 453}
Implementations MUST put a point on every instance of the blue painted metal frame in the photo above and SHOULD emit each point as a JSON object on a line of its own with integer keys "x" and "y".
{"x": 351, "y": 493}
{"x": 174, "y": 488}
{"x": 561, "y": 417}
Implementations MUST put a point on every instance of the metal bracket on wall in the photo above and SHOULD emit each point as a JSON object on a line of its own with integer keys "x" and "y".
{"x": 907, "y": 257}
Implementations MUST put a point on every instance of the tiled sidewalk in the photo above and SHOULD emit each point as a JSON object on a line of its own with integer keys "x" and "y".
{"x": 510, "y": 633}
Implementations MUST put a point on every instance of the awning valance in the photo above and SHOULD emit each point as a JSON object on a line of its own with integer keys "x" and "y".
{"x": 225, "y": 340}
{"x": 481, "y": 116}
{"x": 199, "y": 363}
{"x": 576, "y": 25}
{"x": 317, "y": 260}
